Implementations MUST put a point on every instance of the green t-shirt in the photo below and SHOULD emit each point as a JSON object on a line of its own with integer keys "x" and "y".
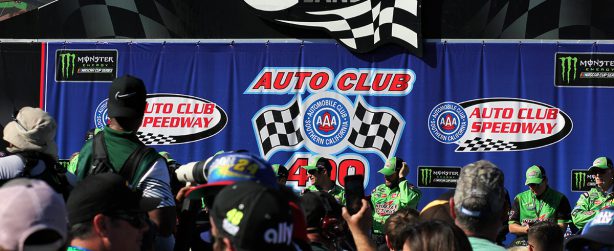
{"x": 479, "y": 244}
{"x": 389, "y": 200}
{"x": 589, "y": 204}
{"x": 119, "y": 146}
{"x": 337, "y": 192}
{"x": 549, "y": 206}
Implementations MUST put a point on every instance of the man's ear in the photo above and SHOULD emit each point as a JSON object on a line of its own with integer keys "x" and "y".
{"x": 100, "y": 225}
{"x": 451, "y": 203}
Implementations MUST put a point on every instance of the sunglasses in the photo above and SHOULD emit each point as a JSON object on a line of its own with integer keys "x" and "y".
{"x": 599, "y": 171}
{"x": 314, "y": 171}
{"x": 138, "y": 220}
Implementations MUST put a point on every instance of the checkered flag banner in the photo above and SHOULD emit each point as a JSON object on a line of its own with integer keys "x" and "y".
{"x": 361, "y": 26}
{"x": 279, "y": 128}
{"x": 478, "y": 144}
{"x": 155, "y": 139}
{"x": 375, "y": 129}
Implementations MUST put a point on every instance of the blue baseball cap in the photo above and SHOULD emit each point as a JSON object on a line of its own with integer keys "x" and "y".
{"x": 231, "y": 167}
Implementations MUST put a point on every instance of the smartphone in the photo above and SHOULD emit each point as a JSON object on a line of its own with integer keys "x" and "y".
{"x": 354, "y": 192}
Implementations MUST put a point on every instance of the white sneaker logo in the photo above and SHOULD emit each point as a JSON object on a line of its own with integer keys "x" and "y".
{"x": 118, "y": 96}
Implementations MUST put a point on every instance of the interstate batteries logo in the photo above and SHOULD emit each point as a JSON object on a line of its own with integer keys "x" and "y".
{"x": 438, "y": 176}
{"x": 85, "y": 65}
{"x": 174, "y": 119}
{"x": 581, "y": 180}
{"x": 584, "y": 69}
{"x": 498, "y": 124}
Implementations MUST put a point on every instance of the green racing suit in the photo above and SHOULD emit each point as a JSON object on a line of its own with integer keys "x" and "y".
{"x": 387, "y": 200}
{"x": 589, "y": 204}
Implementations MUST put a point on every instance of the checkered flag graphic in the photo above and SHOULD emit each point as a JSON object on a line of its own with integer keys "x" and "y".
{"x": 362, "y": 26}
{"x": 553, "y": 19}
{"x": 375, "y": 129}
{"x": 120, "y": 18}
{"x": 485, "y": 145}
{"x": 278, "y": 128}
{"x": 155, "y": 139}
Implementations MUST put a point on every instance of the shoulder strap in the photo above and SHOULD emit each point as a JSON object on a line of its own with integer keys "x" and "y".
{"x": 99, "y": 155}
{"x": 132, "y": 163}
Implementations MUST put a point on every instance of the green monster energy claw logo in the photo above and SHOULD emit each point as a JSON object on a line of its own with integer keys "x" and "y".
{"x": 68, "y": 64}
{"x": 427, "y": 176}
{"x": 567, "y": 63}
{"x": 580, "y": 180}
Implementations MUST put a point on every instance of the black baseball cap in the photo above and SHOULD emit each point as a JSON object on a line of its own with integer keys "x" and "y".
{"x": 319, "y": 162}
{"x": 127, "y": 97}
{"x": 254, "y": 217}
{"x": 105, "y": 193}
{"x": 317, "y": 205}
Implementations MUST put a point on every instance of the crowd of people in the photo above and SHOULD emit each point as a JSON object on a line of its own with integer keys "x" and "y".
{"x": 119, "y": 194}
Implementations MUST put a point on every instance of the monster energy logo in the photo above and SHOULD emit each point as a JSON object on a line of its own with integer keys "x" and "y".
{"x": 68, "y": 64}
{"x": 427, "y": 176}
{"x": 580, "y": 179}
{"x": 567, "y": 63}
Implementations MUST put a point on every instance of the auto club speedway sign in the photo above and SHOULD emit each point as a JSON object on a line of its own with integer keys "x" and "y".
{"x": 327, "y": 122}
{"x": 173, "y": 119}
{"x": 498, "y": 124}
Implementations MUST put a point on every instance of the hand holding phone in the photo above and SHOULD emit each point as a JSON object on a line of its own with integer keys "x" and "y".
{"x": 354, "y": 192}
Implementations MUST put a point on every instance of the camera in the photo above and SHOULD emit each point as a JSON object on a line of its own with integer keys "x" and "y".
{"x": 193, "y": 172}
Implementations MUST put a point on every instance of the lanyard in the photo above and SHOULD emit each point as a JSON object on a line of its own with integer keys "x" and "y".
{"x": 535, "y": 205}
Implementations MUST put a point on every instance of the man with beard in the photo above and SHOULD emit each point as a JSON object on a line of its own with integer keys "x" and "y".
{"x": 394, "y": 194}
{"x": 599, "y": 197}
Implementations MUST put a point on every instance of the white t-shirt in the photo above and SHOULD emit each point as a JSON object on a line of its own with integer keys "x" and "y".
{"x": 12, "y": 166}
{"x": 155, "y": 183}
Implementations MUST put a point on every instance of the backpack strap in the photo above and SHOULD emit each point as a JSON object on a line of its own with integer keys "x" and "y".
{"x": 132, "y": 163}
{"x": 100, "y": 160}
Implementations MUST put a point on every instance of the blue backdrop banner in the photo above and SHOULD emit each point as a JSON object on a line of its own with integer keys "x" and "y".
{"x": 515, "y": 104}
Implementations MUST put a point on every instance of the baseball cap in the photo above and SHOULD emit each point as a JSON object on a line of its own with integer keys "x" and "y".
{"x": 479, "y": 190}
{"x": 29, "y": 206}
{"x": 254, "y": 217}
{"x": 534, "y": 175}
{"x": 230, "y": 167}
{"x": 319, "y": 162}
{"x": 105, "y": 193}
{"x": 127, "y": 97}
{"x": 392, "y": 165}
{"x": 601, "y": 163}
{"x": 600, "y": 230}
{"x": 317, "y": 205}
